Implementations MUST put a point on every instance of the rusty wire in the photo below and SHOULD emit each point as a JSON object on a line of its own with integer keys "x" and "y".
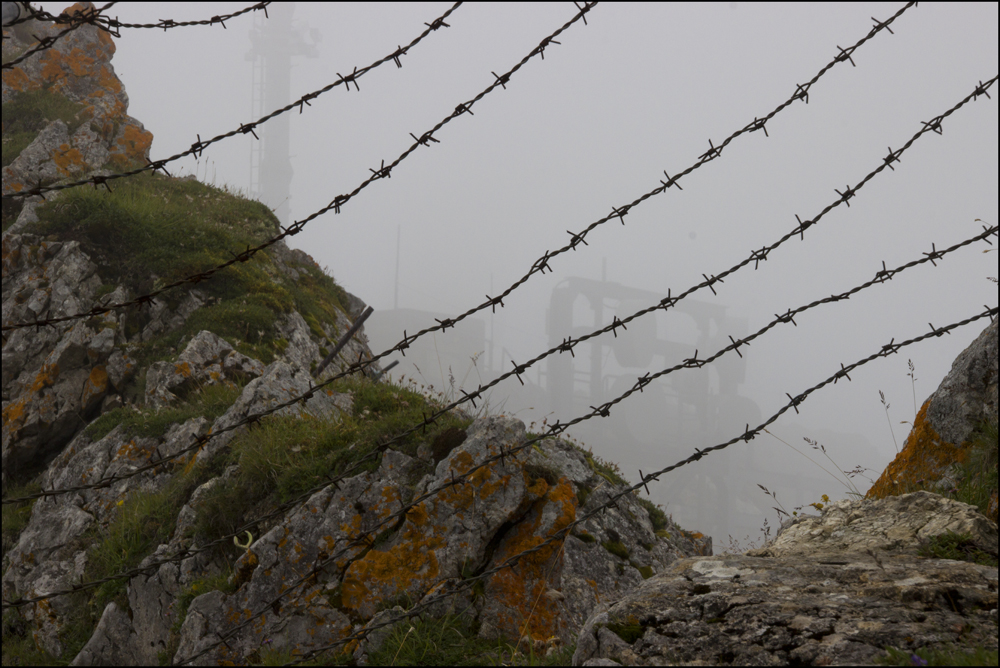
{"x": 96, "y": 18}
{"x": 566, "y": 346}
{"x": 248, "y": 128}
{"x": 364, "y": 537}
{"x": 539, "y": 265}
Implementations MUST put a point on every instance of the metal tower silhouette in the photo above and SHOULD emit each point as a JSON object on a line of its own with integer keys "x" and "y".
{"x": 273, "y": 43}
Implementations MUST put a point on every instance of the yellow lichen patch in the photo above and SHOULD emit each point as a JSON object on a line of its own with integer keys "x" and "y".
{"x": 129, "y": 449}
{"x": 353, "y": 529}
{"x": 79, "y": 63}
{"x": 390, "y": 498}
{"x": 418, "y": 514}
{"x": 68, "y": 159}
{"x": 13, "y": 415}
{"x": 133, "y": 145}
{"x": 18, "y": 80}
{"x": 923, "y": 459}
{"x": 46, "y": 377}
{"x": 462, "y": 462}
{"x": 183, "y": 369}
{"x": 410, "y": 565}
{"x": 523, "y": 608}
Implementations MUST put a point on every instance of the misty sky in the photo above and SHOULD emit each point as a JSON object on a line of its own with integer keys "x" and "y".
{"x": 639, "y": 90}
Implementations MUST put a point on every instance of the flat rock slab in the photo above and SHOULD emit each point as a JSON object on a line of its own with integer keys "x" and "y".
{"x": 835, "y": 589}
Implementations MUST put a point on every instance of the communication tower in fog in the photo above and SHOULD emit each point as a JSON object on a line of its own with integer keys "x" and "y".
{"x": 274, "y": 41}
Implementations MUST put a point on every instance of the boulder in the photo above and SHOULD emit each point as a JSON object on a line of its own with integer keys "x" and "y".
{"x": 831, "y": 590}
{"x": 939, "y": 440}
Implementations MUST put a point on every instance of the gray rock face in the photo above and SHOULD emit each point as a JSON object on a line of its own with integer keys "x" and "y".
{"x": 831, "y": 590}
{"x": 206, "y": 360}
{"x": 938, "y": 442}
{"x": 968, "y": 394}
{"x": 461, "y": 531}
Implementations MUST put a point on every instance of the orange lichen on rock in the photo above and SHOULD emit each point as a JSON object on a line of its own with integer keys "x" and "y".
{"x": 46, "y": 377}
{"x": 523, "y": 608}
{"x": 924, "y": 459}
{"x": 133, "y": 145}
{"x": 410, "y": 564}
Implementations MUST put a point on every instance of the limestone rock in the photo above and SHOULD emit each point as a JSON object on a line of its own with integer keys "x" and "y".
{"x": 466, "y": 529}
{"x": 832, "y": 590}
{"x": 206, "y": 360}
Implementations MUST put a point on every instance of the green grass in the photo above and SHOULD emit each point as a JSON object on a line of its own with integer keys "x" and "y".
{"x": 617, "y": 548}
{"x": 29, "y": 112}
{"x": 210, "y": 402}
{"x": 946, "y": 656}
{"x": 629, "y": 630}
{"x": 656, "y": 514}
{"x": 286, "y": 456}
{"x": 452, "y": 641}
{"x": 17, "y": 515}
{"x": 152, "y": 230}
{"x": 979, "y": 470}
{"x": 958, "y": 547}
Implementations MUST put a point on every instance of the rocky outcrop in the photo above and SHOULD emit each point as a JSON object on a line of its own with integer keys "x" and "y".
{"x": 939, "y": 441}
{"x": 73, "y": 79}
{"x": 831, "y": 590}
{"x": 460, "y": 532}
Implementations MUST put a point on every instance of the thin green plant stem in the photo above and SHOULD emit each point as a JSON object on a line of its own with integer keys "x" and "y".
{"x": 848, "y": 484}
{"x": 884, "y": 403}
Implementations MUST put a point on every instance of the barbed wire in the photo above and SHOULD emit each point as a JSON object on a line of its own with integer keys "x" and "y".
{"x": 383, "y": 172}
{"x": 96, "y": 17}
{"x": 244, "y": 129}
{"x": 881, "y": 276}
{"x": 566, "y": 346}
{"x": 539, "y": 265}
{"x": 250, "y": 420}
{"x": 166, "y": 24}
{"x": 934, "y": 255}
{"x": 467, "y": 583}
{"x": 89, "y": 16}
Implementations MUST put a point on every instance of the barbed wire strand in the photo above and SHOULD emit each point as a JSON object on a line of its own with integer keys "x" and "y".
{"x": 881, "y": 276}
{"x": 541, "y": 264}
{"x": 566, "y": 346}
{"x": 111, "y": 26}
{"x": 244, "y": 129}
{"x": 88, "y": 16}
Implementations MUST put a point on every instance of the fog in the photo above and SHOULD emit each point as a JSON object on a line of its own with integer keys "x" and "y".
{"x": 637, "y": 91}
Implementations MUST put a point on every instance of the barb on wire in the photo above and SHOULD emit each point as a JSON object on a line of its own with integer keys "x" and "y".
{"x": 200, "y": 145}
